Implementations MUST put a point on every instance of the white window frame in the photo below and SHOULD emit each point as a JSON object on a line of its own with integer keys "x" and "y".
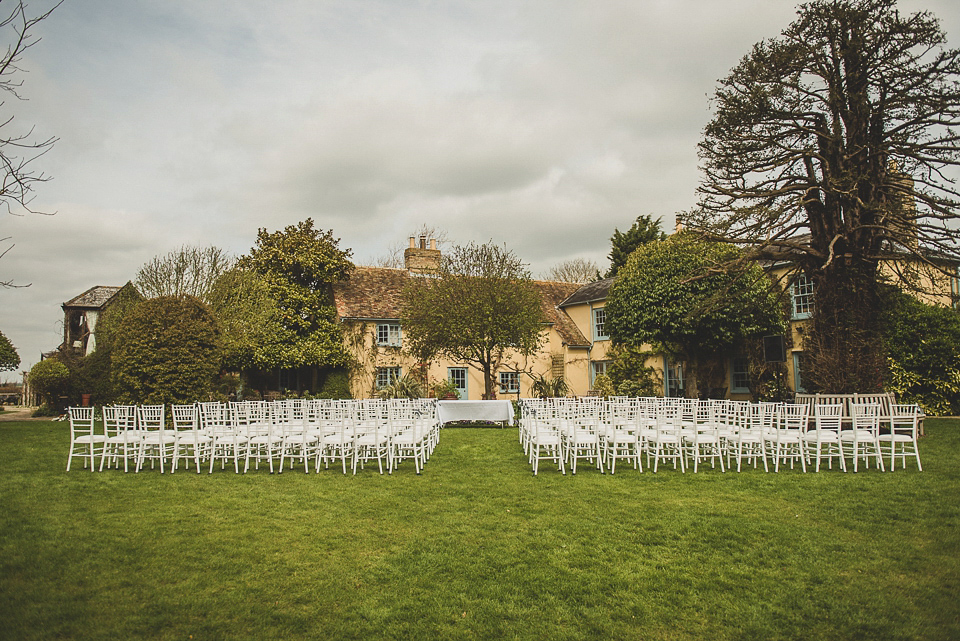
{"x": 389, "y": 335}
{"x": 387, "y": 376}
{"x": 509, "y": 382}
{"x": 735, "y": 374}
{"x": 801, "y": 297}
{"x": 598, "y": 317}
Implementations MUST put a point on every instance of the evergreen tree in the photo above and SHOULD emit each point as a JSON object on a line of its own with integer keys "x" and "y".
{"x": 644, "y": 230}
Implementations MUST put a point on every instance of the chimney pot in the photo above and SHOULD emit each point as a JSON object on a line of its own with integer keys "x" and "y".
{"x": 423, "y": 242}
{"x": 433, "y": 243}
{"x": 413, "y": 242}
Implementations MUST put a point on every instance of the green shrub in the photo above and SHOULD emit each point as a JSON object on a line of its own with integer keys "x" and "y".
{"x": 544, "y": 387}
{"x": 46, "y": 410}
{"x": 167, "y": 350}
{"x": 407, "y": 386}
{"x": 444, "y": 388}
{"x": 629, "y": 373}
{"x": 51, "y": 381}
{"x": 923, "y": 352}
{"x": 336, "y": 384}
{"x": 603, "y": 386}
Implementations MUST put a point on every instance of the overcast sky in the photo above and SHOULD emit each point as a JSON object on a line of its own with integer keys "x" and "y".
{"x": 542, "y": 124}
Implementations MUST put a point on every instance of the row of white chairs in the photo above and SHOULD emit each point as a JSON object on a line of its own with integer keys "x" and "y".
{"x": 251, "y": 433}
{"x": 688, "y": 432}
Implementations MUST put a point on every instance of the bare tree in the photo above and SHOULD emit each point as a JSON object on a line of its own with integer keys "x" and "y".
{"x": 575, "y": 270}
{"x": 185, "y": 271}
{"x": 832, "y": 147}
{"x": 19, "y": 148}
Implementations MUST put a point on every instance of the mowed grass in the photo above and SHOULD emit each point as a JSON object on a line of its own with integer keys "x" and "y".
{"x": 476, "y": 548}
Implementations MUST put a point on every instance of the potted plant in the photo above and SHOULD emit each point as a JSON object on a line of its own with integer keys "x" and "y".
{"x": 446, "y": 391}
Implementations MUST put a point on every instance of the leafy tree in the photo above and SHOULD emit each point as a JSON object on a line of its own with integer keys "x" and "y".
{"x": 644, "y": 230}
{"x": 842, "y": 128}
{"x": 575, "y": 270}
{"x": 481, "y": 307}
{"x": 188, "y": 271}
{"x": 9, "y": 359}
{"x": 254, "y": 335}
{"x": 19, "y": 149}
{"x": 671, "y": 296}
{"x": 923, "y": 348}
{"x": 168, "y": 350}
{"x": 299, "y": 265}
{"x": 50, "y": 379}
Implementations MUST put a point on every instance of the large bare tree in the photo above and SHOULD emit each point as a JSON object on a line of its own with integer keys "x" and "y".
{"x": 835, "y": 146}
{"x": 20, "y": 147}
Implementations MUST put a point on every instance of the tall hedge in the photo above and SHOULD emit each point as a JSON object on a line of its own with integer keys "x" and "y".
{"x": 923, "y": 352}
{"x": 167, "y": 350}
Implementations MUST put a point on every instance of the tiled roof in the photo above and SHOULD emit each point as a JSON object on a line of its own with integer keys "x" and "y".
{"x": 375, "y": 293}
{"x": 553, "y": 293}
{"x": 93, "y": 298}
{"x": 370, "y": 292}
{"x": 589, "y": 293}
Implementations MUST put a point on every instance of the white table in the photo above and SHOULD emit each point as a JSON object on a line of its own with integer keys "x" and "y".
{"x": 475, "y": 411}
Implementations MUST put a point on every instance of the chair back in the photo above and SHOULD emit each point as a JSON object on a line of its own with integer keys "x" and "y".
{"x": 81, "y": 421}
{"x": 905, "y": 418}
{"x": 185, "y": 417}
{"x": 866, "y": 417}
{"x": 151, "y": 418}
{"x": 793, "y": 416}
{"x": 112, "y": 424}
{"x": 828, "y": 417}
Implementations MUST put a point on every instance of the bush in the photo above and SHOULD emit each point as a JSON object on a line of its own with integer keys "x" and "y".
{"x": 46, "y": 410}
{"x": 923, "y": 352}
{"x": 51, "y": 381}
{"x": 629, "y": 373}
{"x": 167, "y": 350}
{"x": 444, "y": 388}
{"x": 406, "y": 386}
{"x": 603, "y": 386}
{"x": 335, "y": 385}
{"x": 544, "y": 387}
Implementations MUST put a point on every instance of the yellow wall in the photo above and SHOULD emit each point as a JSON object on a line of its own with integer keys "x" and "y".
{"x": 360, "y": 339}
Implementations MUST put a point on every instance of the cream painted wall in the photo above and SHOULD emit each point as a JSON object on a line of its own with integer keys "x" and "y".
{"x": 360, "y": 339}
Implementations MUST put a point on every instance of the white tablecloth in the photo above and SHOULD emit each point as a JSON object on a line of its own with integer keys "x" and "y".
{"x": 475, "y": 411}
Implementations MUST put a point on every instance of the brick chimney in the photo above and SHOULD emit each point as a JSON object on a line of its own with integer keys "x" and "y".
{"x": 421, "y": 259}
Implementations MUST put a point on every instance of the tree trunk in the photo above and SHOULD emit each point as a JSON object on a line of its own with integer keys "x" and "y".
{"x": 844, "y": 350}
{"x": 692, "y": 377}
{"x": 487, "y": 381}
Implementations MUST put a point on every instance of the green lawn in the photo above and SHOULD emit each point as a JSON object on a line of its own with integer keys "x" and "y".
{"x": 476, "y": 548}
